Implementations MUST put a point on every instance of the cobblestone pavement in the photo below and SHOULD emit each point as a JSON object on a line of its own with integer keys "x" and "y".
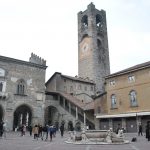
{"x": 14, "y": 141}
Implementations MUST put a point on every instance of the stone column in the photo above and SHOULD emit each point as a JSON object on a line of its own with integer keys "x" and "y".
{"x": 138, "y": 121}
{"x": 124, "y": 123}
{"x": 76, "y": 113}
{"x": 64, "y": 103}
{"x": 59, "y": 99}
{"x": 8, "y": 118}
{"x": 110, "y": 123}
{"x": 69, "y": 107}
{"x": 84, "y": 121}
{"x": 97, "y": 125}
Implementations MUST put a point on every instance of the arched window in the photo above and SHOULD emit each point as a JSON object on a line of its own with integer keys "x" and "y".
{"x": 133, "y": 98}
{"x": 21, "y": 87}
{"x": 113, "y": 101}
{"x": 84, "y": 21}
{"x": 99, "y": 43}
{"x": 99, "y": 20}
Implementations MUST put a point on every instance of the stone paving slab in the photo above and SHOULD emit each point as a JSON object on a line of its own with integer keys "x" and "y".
{"x": 14, "y": 141}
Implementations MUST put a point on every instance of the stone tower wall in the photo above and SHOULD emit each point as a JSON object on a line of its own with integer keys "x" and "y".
{"x": 93, "y": 53}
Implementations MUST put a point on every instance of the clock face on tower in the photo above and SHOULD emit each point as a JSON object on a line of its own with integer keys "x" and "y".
{"x": 85, "y": 47}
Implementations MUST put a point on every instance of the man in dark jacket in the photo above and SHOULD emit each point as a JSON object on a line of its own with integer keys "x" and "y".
{"x": 1, "y": 128}
{"x": 62, "y": 130}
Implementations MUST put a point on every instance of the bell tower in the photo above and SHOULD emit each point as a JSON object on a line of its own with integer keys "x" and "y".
{"x": 93, "y": 53}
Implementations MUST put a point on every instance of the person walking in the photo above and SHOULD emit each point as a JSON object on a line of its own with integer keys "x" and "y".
{"x": 30, "y": 130}
{"x": 51, "y": 132}
{"x": 118, "y": 128}
{"x": 40, "y": 131}
{"x": 54, "y": 130}
{"x": 4, "y": 129}
{"x": 45, "y": 132}
{"x": 35, "y": 132}
{"x": 140, "y": 129}
{"x": 1, "y": 128}
{"x": 62, "y": 130}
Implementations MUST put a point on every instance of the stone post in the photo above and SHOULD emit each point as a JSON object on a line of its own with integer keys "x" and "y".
{"x": 76, "y": 113}
{"x": 124, "y": 123}
{"x": 69, "y": 107}
{"x": 84, "y": 121}
{"x": 110, "y": 123}
{"x": 64, "y": 103}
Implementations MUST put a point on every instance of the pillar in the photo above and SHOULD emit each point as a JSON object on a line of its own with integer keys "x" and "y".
{"x": 84, "y": 120}
{"x": 76, "y": 113}
{"x": 110, "y": 123}
{"x": 69, "y": 107}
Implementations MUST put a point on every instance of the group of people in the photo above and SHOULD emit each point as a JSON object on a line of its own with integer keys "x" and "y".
{"x": 42, "y": 132}
{"x": 140, "y": 130}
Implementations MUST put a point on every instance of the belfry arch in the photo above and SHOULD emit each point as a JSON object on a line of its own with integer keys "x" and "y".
{"x": 22, "y": 115}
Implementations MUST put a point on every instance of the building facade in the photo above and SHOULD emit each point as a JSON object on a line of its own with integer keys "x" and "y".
{"x": 69, "y": 100}
{"x": 22, "y": 91}
{"x": 127, "y": 99}
{"x": 78, "y": 87}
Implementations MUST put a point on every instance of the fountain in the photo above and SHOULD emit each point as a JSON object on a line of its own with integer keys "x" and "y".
{"x": 96, "y": 137}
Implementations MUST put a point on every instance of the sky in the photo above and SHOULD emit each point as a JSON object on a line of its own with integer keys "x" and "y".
{"x": 49, "y": 29}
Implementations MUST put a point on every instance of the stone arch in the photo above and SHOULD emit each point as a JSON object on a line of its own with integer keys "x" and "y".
{"x": 84, "y": 36}
{"x": 78, "y": 126}
{"x": 84, "y": 21}
{"x": 99, "y": 20}
{"x": 70, "y": 126}
{"x": 99, "y": 42}
{"x": 1, "y": 113}
{"x": 22, "y": 115}
{"x": 52, "y": 116}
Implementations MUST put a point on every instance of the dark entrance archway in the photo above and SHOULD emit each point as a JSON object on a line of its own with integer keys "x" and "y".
{"x": 78, "y": 126}
{"x": 22, "y": 115}
{"x": 52, "y": 116}
{"x": 70, "y": 126}
{"x": 1, "y": 113}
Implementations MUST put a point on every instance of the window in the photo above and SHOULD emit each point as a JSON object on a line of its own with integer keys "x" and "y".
{"x": 85, "y": 88}
{"x": 112, "y": 82}
{"x": 21, "y": 87}
{"x": 133, "y": 98}
{"x": 113, "y": 101}
{"x": 65, "y": 89}
{"x": 71, "y": 88}
{"x": 64, "y": 80}
{"x": 99, "y": 43}
{"x": 99, "y": 20}
{"x": 80, "y": 87}
{"x": 84, "y": 21}
{"x": 131, "y": 78}
{"x": 98, "y": 109}
{"x": 1, "y": 86}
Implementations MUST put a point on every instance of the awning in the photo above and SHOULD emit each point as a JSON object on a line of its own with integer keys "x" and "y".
{"x": 123, "y": 115}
